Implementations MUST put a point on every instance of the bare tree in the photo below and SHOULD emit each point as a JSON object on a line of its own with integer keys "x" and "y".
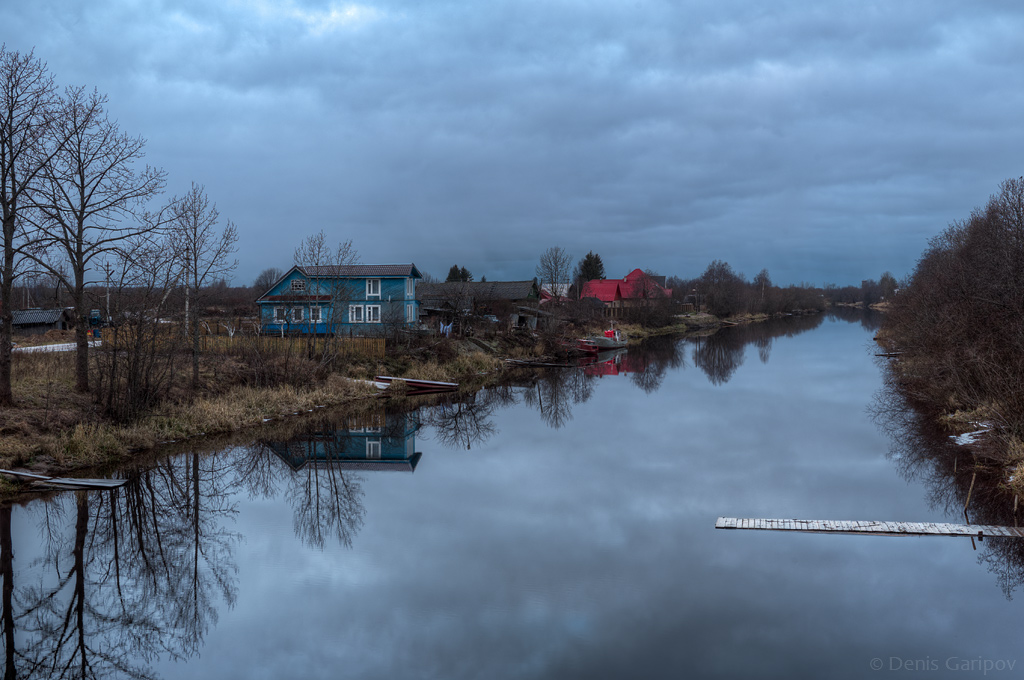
{"x": 85, "y": 196}
{"x": 28, "y": 101}
{"x": 267, "y": 278}
{"x": 323, "y": 264}
{"x": 554, "y": 269}
{"x": 203, "y": 252}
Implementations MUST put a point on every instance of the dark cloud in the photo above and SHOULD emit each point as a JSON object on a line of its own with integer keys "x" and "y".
{"x": 824, "y": 142}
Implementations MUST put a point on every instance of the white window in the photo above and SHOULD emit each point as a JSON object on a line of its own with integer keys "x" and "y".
{"x": 410, "y": 289}
{"x": 355, "y": 314}
{"x": 280, "y": 314}
{"x": 410, "y": 313}
{"x": 373, "y": 288}
{"x": 373, "y": 449}
{"x": 297, "y": 315}
{"x": 298, "y": 284}
{"x": 314, "y": 315}
{"x": 372, "y": 313}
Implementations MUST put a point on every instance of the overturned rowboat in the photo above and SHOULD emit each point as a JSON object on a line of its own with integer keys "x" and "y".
{"x": 384, "y": 381}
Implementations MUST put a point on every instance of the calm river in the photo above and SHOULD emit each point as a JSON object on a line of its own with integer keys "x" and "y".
{"x": 563, "y": 528}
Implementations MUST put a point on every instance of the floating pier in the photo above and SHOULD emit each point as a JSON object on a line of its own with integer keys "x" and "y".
{"x": 870, "y": 528}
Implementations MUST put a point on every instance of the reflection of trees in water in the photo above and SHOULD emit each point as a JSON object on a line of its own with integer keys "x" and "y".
{"x": 869, "y": 319}
{"x": 326, "y": 498}
{"x": 129, "y": 575}
{"x": 720, "y": 355}
{"x": 326, "y": 502}
{"x": 556, "y": 391}
{"x": 461, "y": 421}
{"x": 651, "y": 360}
{"x": 952, "y": 475}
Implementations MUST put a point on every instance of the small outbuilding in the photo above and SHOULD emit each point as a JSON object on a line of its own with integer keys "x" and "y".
{"x": 39, "y": 321}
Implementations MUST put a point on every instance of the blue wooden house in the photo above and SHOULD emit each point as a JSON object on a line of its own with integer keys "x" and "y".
{"x": 358, "y": 299}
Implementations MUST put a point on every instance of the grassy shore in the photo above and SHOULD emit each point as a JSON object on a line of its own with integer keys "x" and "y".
{"x": 54, "y": 430}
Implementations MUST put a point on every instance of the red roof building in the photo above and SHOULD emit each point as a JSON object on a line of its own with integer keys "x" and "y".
{"x": 636, "y": 285}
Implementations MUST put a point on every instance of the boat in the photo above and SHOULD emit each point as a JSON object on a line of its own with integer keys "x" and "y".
{"x": 384, "y": 381}
{"x": 612, "y": 339}
{"x": 67, "y": 482}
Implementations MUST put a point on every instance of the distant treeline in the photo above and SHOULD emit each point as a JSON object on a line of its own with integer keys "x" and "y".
{"x": 723, "y": 292}
{"x": 959, "y": 321}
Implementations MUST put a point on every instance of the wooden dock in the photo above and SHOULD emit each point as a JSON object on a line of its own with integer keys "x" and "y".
{"x": 827, "y": 526}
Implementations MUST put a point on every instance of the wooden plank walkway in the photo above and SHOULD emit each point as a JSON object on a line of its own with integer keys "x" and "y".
{"x": 827, "y": 526}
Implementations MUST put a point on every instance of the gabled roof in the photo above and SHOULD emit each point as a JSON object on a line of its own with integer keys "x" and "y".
{"x": 478, "y": 290}
{"x": 31, "y": 317}
{"x": 605, "y": 290}
{"x": 357, "y": 271}
{"x": 632, "y": 286}
{"x": 348, "y": 271}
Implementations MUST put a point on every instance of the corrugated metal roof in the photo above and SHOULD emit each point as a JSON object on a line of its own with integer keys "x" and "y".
{"x": 360, "y": 270}
{"x": 35, "y": 317}
{"x": 478, "y": 290}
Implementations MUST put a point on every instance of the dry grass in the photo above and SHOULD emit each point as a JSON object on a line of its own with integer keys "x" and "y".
{"x": 54, "y": 429}
{"x": 462, "y": 367}
{"x": 53, "y": 423}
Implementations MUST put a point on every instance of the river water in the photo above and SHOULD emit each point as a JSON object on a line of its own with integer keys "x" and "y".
{"x": 559, "y": 528}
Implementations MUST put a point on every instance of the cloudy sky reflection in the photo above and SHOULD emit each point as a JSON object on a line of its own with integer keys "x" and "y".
{"x": 588, "y": 551}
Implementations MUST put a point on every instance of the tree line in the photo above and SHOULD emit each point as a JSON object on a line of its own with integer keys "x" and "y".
{"x": 958, "y": 322}
{"x": 76, "y": 198}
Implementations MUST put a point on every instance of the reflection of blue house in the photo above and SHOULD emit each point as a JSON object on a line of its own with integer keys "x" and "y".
{"x": 359, "y": 299}
{"x": 363, "y": 444}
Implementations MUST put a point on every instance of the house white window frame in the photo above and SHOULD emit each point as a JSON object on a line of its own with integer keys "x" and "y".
{"x": 298, "y": 315}
{"x": 410, "y": 288}
{"x": 356, "y": 314}
{"x": 316, "y": 314}
{"x": 410, "y": 312}
{"x": 373, "y": 449}
{"x": 298, "y": 285}
{"x": 280, "y": 315}
{"x": 372, "y": 314}
{"x": 373, "y": 289}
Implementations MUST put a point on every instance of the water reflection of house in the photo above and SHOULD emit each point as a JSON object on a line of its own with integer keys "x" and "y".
{"x": 369, "y": 442}
{"x": 618, "y": 362}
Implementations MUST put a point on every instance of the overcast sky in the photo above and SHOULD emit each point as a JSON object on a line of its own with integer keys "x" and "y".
{"x": 825, "y": 141}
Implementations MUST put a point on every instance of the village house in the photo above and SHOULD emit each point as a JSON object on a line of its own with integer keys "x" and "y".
{"x": 513, "y": 301}
{"x": 634, "y": 289}
{"x": 359, "y": 299}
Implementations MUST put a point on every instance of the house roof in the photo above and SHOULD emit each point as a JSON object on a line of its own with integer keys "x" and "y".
{"x": 631, "y": 286}
{"x": 361, "y": 270}
{"x": 605, "y": 290}
{"x": 352, "y": 271}
{"x": 478, "y": 290}
{"x": 31, "y": 317}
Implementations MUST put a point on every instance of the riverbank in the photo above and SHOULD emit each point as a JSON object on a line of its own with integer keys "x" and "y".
{"x": 55, "y": 431}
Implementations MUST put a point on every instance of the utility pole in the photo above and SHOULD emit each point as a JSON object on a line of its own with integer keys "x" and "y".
{"x": 106, "y": 266}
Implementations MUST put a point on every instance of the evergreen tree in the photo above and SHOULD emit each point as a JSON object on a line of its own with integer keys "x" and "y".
{"x": 457, "y": 273}
{"x": 591, "y": 267}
